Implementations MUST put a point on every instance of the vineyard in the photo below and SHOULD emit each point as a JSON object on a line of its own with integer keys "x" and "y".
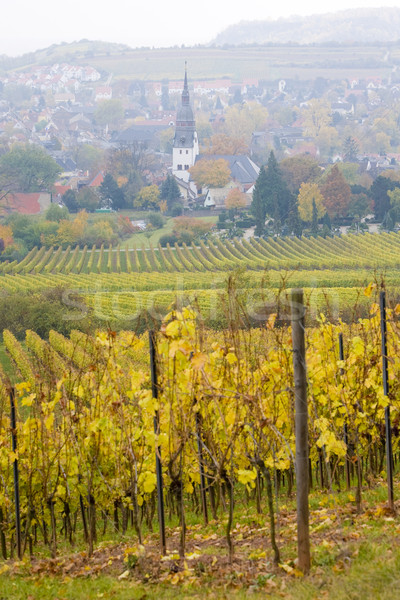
{"x": 367, "y": 251}
{"x": 220, "y": 424}
{"x": 96, "y": 431}
{"x": 117, "y": 284}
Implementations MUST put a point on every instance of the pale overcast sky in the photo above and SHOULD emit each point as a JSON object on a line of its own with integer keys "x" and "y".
{"x": 28, "y": 25}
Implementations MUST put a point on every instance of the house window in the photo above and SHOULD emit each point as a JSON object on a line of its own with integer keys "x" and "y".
{"x": 180, "y": 151}
{"x": 186, "y": 167}
{"x": 187, "y": 151}
{"x": 179, "y": 167}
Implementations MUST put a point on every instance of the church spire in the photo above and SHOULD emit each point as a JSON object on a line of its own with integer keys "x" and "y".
{"x": 185, "y": 93}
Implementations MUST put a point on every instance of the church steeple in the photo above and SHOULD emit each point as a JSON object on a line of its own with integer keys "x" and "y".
{"x": 185, "y": 145}
{"x": 185, "y": 93}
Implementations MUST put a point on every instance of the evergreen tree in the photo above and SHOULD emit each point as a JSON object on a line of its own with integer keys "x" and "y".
{"x": 165, "y": 94}
{"x": 294, "y": 221}
{"x": 258, "y": 205}
{"x": 277, "y": 197}
{"x": 314, "y": 222}
{"x": 379, "y": 194}
{"x": 388, "y": 222}
{"x": 170, "y": 191}
{"x": 351, "y": 149}
{"x": 271, "y": 196}
{"x": 110, "y": 190}
{"x": 70, "y": 200}
{"x": 327, "y": 221}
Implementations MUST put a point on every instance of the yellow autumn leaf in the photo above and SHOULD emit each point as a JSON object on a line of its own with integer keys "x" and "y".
{"x": 368, "y": 289}
{"x": 173, "y": 329}
{"x": 231, "y": 358}
{"x": 49, "y": 422}
{"x": 198, "y": 360}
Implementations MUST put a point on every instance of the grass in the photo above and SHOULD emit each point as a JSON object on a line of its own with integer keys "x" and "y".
{"x": 144, "y": 239}
{"x": 354, "y": 557}
{"x": 369, "y": 570}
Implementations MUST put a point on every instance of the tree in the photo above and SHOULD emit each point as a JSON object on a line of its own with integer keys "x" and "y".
{"x": 170, "y": 191}
{"x": 258, "y": 205}
{"x": 298, "y": 169}
{"x": 99, "y": 233}
{"x": 235, "y": 199}
{"x": 308, "y": 198}
{"x": 316, "y": 115}
{"x": 72, "y": 232}
{"x": 314, "y": 220}
{"x": 337, "y": 194}
{"x": 360, "y": 205}
{"x": 378, "y": 192}
{"x": 110, "y": 190}
{"x": 87, "y": 199}
{"x": 327, "y": 140}
{"x": 350, "y": 172}
{"x": 166, "y": 138}
{"x": 109, "y": 112}
{"x": 211, "y": 173}
{"x": 56, "y": 213}
{"x": 294, "y": 224}
{"x": 6, "y": 236}
{"x": 70, "y": 201}
{"x": 125, "y": 165}
{"x": 28, "y": 168}
{"x": 220, "y": 143}
{"x": 204, "y": 129}
{"x": 242, "y": 120}
{"x": 391, "y": 174}
{"x": 89, "y": 158}
{"x": 165, "y": 94}
{"x": 271, "y": 197}
{"x": 147, "y": 198}
{"x": 350, "y": 149}
{"x": 277, "y": 193}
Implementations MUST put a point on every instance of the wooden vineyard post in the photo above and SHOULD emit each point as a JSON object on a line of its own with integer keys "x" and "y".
{"x": 160, "y": 494}
{"x": 345, "y": 429}
{"x": 388, "y": 429}
{"x": 16, "y": 473}
{"x": 301, "y": 430}
{"x": 202, "y": 475}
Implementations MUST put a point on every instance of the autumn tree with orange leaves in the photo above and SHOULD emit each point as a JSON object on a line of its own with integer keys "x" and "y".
{"x": 337, "y": 194}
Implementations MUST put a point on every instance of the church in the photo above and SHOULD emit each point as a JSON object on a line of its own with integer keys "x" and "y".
{"x": 185, "y": 152}
{"x": 185, "y": 144}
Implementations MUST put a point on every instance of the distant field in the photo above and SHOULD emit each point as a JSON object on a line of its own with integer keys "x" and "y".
{"x": 268, "y": 63}
{"x": 259, "y": 62}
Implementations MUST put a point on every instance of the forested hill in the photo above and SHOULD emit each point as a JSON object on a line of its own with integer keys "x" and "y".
{"x": 354, "y": 25}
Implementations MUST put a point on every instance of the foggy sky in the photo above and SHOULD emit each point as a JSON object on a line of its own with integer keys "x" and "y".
{"x": 28, "y": 25}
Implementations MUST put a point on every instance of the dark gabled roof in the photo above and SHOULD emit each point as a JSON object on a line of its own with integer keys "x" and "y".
{"x": 243, "y": 170}
{"x": 139, "y": 133}
{"x": 67, "y": 164}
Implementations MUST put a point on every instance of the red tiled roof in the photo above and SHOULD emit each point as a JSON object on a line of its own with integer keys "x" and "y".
{"x": 61, "y": 189}
{"x": 26, "y": 204}
{"x": 97, "y": 181}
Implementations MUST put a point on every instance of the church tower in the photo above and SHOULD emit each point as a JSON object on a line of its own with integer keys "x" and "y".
{"x": 186, "y": 145}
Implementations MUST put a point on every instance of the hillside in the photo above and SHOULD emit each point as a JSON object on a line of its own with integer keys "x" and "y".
{"x": 268, "y": 62}
{"x": 364, "y": 25}
{"x": 76, "y": 52}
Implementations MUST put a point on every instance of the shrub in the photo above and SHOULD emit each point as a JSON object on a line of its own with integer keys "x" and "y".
{"x": 155, "y": 219}
{"x": 168, "y": 238}
{"x": 177, "y": 209}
